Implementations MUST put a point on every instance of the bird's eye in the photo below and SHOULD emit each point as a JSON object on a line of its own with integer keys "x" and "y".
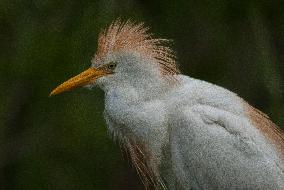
{"x": 111, "y": 65}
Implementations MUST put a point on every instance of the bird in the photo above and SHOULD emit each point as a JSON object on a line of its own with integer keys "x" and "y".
{"x": 179, "y": 132}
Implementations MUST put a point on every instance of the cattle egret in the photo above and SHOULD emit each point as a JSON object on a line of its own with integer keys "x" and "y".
{"x": 180, "y": 132}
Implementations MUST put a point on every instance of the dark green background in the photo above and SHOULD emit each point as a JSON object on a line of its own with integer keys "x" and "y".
{"x": 62, "y": 142}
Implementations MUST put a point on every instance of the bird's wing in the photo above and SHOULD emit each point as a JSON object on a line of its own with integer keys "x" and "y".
{"x": 216, "y": 149}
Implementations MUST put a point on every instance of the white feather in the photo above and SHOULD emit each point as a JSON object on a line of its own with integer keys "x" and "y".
{"x": 198, "y": 134}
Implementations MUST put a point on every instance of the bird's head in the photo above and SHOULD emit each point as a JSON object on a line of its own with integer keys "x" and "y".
{"x": 127, "y": 54}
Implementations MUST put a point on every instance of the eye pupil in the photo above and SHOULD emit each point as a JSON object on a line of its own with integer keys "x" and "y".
{"x": 111, "y": 66}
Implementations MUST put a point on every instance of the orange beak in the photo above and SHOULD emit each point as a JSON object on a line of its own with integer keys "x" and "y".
{"x": 84, "y": 78}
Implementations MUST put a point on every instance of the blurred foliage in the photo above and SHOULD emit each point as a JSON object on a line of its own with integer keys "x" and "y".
{"x": 62, "y": 142}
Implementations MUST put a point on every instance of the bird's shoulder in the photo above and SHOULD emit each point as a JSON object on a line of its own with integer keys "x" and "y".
{"x": 212, "y": 103}
{"x": 204, "y": 106}
{"x": 218, "y": 143}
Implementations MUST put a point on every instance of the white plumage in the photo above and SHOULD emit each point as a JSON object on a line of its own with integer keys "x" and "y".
{"x": 181, "y": 133}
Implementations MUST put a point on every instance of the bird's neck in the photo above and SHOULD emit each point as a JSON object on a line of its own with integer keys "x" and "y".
{"x": 137, "y": 113}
